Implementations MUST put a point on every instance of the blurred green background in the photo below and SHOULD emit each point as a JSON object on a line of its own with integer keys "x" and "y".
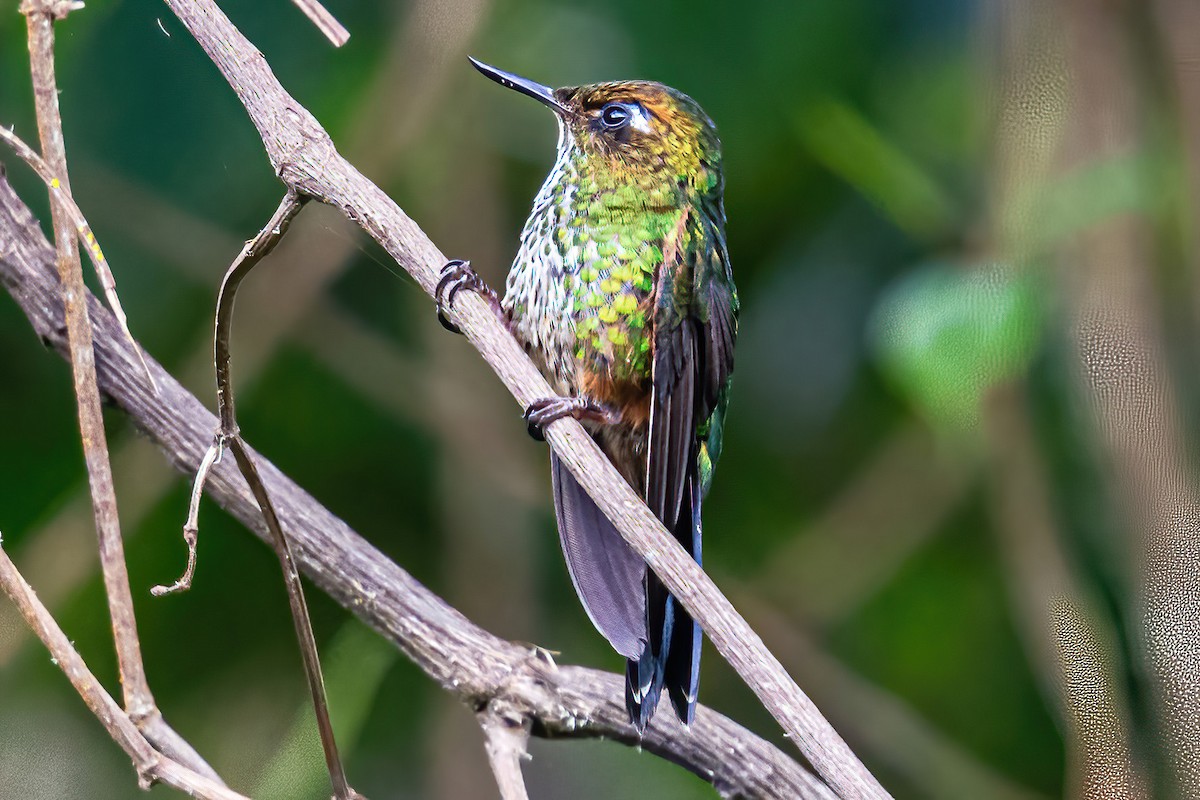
{"x": 858, "y": 516}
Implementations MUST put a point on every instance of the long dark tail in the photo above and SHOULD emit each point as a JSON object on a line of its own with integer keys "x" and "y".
{"x": 671, "y": 657}
{"x": 682, "y": 667}
{"x": 627, "y": 603}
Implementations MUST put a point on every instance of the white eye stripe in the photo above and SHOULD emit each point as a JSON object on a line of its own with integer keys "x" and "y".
{"x": 640, "y": 119}
{"x": 629, "y": 115}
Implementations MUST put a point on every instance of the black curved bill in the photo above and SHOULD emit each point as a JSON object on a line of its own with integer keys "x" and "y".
{"x": 543, "y": 94}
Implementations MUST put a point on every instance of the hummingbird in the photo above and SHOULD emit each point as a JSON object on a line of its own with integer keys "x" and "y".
{"x": 622, "y": 294}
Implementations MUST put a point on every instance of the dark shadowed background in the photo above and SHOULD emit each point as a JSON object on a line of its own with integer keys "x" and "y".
{"x": 891, "y": 370}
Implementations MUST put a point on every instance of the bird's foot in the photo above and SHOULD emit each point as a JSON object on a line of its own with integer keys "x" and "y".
{"x": 542, "y": 412}
{"x": 456, "y": 276}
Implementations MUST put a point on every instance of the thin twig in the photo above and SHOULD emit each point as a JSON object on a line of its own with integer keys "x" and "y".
{"x": 228, "y": 436}
{"x": 191, "y": 528}
{"x": 326, "y": 23}
{"x": 304, "y": 157}
{"x": 465, "y": 660}
{"x": 152, "y": 767}
{"x": 505, "y": 737}
{"x": 299, "y": 609}
{"x": 61, "y": 195}
{"x": 68, "y": 224}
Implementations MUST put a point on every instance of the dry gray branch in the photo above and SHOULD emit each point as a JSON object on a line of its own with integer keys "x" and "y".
{"x": 151, "y": 765}
{"x": 326, "y": 23}
{"x": 68, "y": 224}
{"x": 467, "y": 661}
{"x": 505, "y": 738}
{"x": 305, "y": 159}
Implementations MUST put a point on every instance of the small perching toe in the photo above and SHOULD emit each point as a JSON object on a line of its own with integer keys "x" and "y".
{"x": 541, "y": 413}
{"x": 456, "y": 276}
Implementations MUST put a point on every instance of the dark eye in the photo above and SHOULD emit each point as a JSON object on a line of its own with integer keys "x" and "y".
{"x": 614, "y": 115}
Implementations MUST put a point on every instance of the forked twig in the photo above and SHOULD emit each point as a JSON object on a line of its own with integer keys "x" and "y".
{"x": 326, "y": 23}
{"x": 152, "y": 766}
{"x": 191, "y": 528}
{"x": 228, "y": 436}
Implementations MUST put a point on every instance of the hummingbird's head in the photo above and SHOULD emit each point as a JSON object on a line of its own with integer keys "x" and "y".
{"x": 631, "y": 128}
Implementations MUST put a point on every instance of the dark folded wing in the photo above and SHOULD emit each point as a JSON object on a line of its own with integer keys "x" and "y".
{"x": 695, "y": 324}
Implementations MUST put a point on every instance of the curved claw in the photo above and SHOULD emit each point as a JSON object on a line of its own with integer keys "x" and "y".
{"x": 542, "y": 412}
{"x": 453, "y": 277}
{"x": 533, "y": 418}
{"x": 456, "y": 276}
